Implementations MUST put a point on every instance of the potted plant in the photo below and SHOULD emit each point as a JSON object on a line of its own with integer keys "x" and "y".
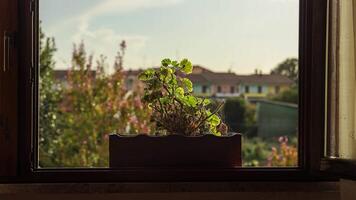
{"x": 187, "y": 132}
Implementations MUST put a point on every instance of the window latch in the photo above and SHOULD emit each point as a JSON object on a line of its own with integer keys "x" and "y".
{"x": 8, "y": 42}
{"x": 6, "y": 51}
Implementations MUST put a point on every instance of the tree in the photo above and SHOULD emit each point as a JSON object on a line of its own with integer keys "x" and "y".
{"x": 94, "y": 105}
{"x": 50, "y": 96}
{"x": 239, "y": 116}
{"x": 289, "y": 68}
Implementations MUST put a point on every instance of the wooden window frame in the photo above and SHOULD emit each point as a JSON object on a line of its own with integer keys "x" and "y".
{"x": 312, "y": 55}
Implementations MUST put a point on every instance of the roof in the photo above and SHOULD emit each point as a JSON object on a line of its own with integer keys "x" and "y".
{"x": 197, "y": 78}
{"x": 269, "y": 79}
{"x": 61, "y": 75}
{"x": 202, "y": 75}
{"x": 131, "y": 72}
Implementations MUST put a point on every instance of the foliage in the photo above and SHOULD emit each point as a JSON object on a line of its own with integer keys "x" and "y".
{"x": 255, "y": 151}
{"x": 288, "y": 68}
{"x": 175, "y": 109}
{"x": 239, "y": 115}
{"x": 50, "y": 96}
{"x": 285, "y": 155}
{"x": 93, "y": 105}
{"x": 290, "y": 95}
{"x": 77, "y": 115}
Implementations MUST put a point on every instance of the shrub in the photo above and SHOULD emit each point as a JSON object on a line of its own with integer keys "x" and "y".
{"x": 285, "y": 155}
{"x": 239, "y": 116}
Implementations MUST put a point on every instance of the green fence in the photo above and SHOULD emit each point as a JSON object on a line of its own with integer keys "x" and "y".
{"x": 276, "y": 119}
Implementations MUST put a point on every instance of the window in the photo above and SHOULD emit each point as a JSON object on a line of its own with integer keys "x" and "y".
{"x": 247, "y": 89}
{"x": 232, "y": 89}
{"x": 219, "y": 89}
{"x": 79, "y": 117}
{"x": 312, "y": 118}
{"x": 205, "y": 89}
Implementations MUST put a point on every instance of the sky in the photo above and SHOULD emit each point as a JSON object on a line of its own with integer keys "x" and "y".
{"x": 222, "y": 35}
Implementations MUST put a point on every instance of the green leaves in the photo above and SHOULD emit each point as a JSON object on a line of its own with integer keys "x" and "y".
{"x": 166, "y": 62}
{"x": 188, "y": 85}
{"x": 186, "y": 66}
{"x": 175, "y": 109}
{"x": 146, "y": 75}
{"x": 214, "y": 120}
{"x": 179, "y": 92}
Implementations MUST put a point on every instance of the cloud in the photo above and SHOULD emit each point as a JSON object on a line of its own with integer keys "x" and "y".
{"x": 104, "y": 40}
{"x": 108, "y": 7}
{"x": 122, "y": 6}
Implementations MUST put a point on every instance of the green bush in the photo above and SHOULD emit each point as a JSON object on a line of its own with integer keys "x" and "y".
{"x": 239, "y": 116}
{"x": 288, "y": 96}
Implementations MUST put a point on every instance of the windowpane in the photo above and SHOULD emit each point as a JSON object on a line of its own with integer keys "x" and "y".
{"x": 92, "y": 51}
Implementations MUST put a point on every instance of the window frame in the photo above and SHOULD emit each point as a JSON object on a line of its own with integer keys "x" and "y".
{"x": 312, "y": 48}
{"x": 331, "y": 163}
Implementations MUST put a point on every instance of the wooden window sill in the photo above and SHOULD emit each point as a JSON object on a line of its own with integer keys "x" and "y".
{"x": 43, "y": 188}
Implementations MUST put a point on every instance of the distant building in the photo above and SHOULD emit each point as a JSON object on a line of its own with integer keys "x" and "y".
{"x": 61, "y": 76}
{"x": 214, "y": 84}
{"x": 257, "y": 86}
{"x": 228, "y": 84}
{"x": 131, "y": 79}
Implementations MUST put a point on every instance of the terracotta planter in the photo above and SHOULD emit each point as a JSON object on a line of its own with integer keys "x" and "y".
{"x": 175, "y": 151}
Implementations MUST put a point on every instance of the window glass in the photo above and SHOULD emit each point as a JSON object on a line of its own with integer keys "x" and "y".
{"x": 247, "y": 89}
{"x": 232, "y": 89}
{"x": 92, "y": 52}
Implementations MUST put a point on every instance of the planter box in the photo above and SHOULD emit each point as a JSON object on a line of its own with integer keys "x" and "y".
{"x": 175, "y": 151}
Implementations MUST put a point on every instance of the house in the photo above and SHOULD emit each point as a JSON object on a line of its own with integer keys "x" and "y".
{"x": 131, "y": 79}
{"x": 61, "y": 76}
{"x": 225, "y": 84}
{"x": 260, "y": 85}
{"x": 229, "y": 84}
{"x": 214, "y": 84}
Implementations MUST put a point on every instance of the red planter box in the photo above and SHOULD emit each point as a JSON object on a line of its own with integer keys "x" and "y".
{"x": 175, "y": 151}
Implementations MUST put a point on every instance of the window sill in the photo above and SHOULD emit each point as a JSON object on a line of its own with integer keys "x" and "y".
{"x": 58, "y": 188}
